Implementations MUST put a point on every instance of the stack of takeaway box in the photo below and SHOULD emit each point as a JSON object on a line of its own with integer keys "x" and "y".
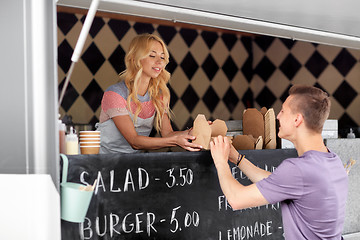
{"x": 330, "y": 131}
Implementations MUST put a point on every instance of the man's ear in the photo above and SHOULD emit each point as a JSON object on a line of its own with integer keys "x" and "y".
{"x": 299, "y": 119}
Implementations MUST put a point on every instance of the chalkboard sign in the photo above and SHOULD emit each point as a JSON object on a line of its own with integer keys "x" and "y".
{"x": 168, "y": 195}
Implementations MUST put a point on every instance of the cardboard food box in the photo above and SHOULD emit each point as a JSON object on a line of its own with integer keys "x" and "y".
{"x": 259, "y": 130}
{"x": 258, "y": 127}
{"x": 205, "y": 131}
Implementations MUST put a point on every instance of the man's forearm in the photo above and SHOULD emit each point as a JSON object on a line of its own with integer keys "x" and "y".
{"x": 229, "y": 186}
{"x": 253, "y": 172}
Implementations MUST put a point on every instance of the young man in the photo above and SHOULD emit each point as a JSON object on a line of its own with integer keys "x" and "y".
{"x": 312, "y": 188}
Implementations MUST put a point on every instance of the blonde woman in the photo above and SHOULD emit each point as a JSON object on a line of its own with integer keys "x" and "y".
{"x": 139, "y": 102}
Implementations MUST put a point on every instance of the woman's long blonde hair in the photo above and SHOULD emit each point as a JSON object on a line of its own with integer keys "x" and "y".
{"x": 158, "y": 91}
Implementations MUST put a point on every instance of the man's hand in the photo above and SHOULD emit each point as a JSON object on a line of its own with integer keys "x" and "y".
{"x": 220, "y": 149}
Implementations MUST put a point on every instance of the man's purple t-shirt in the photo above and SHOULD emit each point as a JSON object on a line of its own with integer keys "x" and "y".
{"x": 312, "y": 190}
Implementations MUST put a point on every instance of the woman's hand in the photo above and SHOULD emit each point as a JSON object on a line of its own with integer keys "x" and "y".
{"x": 220, "y": 150}
{"x": 184, "y": 140}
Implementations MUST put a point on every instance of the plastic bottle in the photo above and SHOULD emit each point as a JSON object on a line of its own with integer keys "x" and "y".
{"x": 72, "y": 145}
{"x": 62, "y": 130}
{"x": 351, "y": 134}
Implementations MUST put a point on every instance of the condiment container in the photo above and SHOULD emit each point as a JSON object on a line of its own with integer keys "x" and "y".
{"x": 351, "y": 134}
{"x": 62, "y": 130}
{"x": 72, "y": 144}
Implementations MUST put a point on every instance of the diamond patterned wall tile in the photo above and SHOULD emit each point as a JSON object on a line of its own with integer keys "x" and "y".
{"x": 277, "y": 52}
{"x": 81, "y": 76}
{"x": 344, "y": 62}
{"x": 106, "y": 76}
{"x": 265, "y": 68}
{"x": 220, "y": 112}
{"x": 302, "y": 51}
{"x": 316, "y": 64}
{"x": 189, "y": 35}
{"x": 265, "y": 98}
{"x": 247, "y": 66}
{"x": 93, "y": 58}
{"x": 346, "y": 122}
{"x": 345, "y": 99}
{"x": 220, "y": 52}
{"x": 214, "y": 73}
{"x": 66, "y": 21}
{"x": 173, "y": 97}
{"x": 239, "y": 54}
{"x": 211, "y": 99}
{"x": 61, "y": 74}
{"x": 178, "y": 82}
{"x": 289, "y": 43}
{"x": 257, "y": 84}
{"x": 117, "y": 59}
{"x": 248, "y": 98}
{"x": 172, "y": 65}
{"x": 230, "y": 69}
{"x": 167, "y": 33}
{"x": 230, "y": 99}
{"x": 106, "y": 35}
{"x": 97, "y": 112}
{"x": 181, "y": 114}
{"x": 125, "y": 41}
{"x": 189, "y": 123}
{"x": 318, "y": 85}
{"x": 248, "y": 70}
{"x": 264, "y": 42}
{"x": 328, "y": 52}
{"x": 96, "y": 25}
{"x": 238, "y": 111}
{"x": 93, "y": 121}
{"x": 178, "y": 47}
{"x": 60, "y": 36}
{"x": 355, "y": 53}
{"x": 303, "y": 76}
{"x": 290, "y": 66}
{"x": 200, "y": 108}
{"x": 190, "y": 98}
{"x": 209, "y": 38}
{"x": 277, "y": 106}
{"x": 93, "y": 95}
{"x": 239, "y": 84}
{"x": 220, "y": 84}
{"x": 143, "y": 28}
{"x": 285, "y": 93}
{"x": 278, "y": 83}
{"x": 353, "y": 110}
{"x": 189, "y": 65}
{"x": 330, "y": 79}
{"x": 70, "y": 96}
{"x": 210, "y": 67}
{"x": 85, "y": 115}
{"x": 315, "y": 44}
{"x": 336, "y": 109}
{"x": 199, "y": 50}
{"x": 119, "y": 27}
{"x": 200, "y": 83}
{"x": 73, "y": 35}
{"x": 353, "y": 77}
{"x": 229, "y": 40}
{"x": 248, "y": 44}
{"x": 65, "y": 52}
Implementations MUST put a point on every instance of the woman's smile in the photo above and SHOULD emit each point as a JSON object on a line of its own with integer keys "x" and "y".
{"x": 157, "y": 69}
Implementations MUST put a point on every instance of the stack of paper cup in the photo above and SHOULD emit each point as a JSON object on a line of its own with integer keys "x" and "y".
{"x": 89, "y": 142}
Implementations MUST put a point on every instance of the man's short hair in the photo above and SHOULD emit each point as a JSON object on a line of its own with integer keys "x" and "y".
{"x": 313, "y": 103}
